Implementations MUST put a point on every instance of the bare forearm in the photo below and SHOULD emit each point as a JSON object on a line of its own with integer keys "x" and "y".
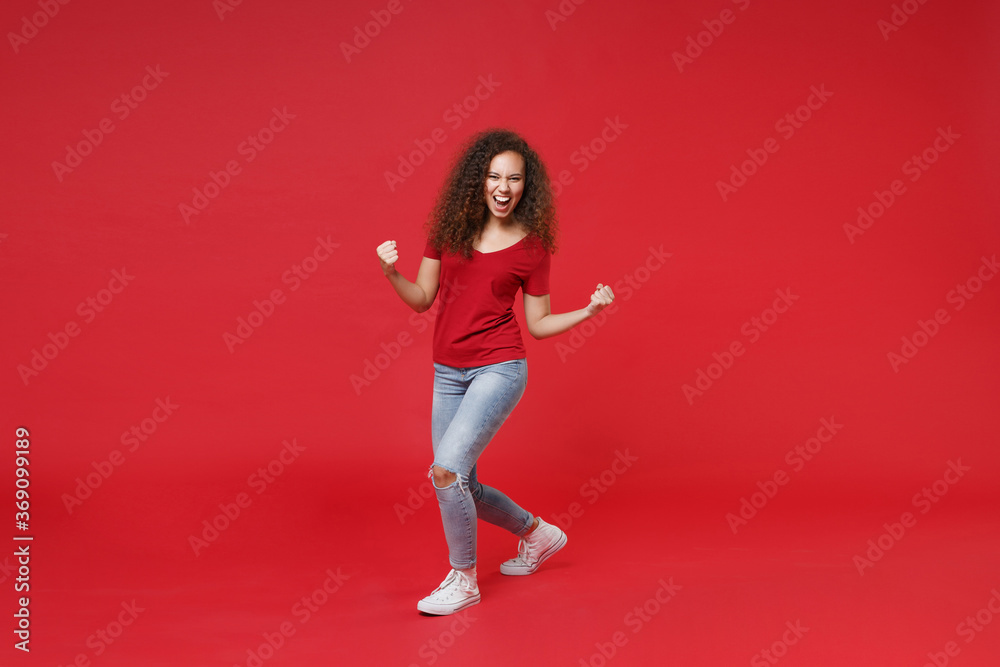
{"x": 411, "y": 293}
{"x": 554, "y": 324}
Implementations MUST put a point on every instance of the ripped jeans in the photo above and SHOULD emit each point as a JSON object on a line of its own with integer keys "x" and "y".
{"x": 469, "y": 406}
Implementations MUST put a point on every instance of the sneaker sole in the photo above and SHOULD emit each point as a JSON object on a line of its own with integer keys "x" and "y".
{"x": 548, "y": 553}
{"x": 445, "y": 610}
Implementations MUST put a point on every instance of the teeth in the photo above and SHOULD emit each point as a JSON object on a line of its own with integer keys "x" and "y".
{"x": 502, "y": 200}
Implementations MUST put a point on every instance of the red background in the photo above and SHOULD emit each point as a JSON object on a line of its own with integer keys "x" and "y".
{"x": 619, "y": 388}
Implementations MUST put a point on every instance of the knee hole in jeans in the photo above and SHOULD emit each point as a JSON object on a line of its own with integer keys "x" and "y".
{"x": 442, "y": 472}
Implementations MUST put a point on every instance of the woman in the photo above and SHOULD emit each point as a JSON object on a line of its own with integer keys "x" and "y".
{"x": 490, "y": 234}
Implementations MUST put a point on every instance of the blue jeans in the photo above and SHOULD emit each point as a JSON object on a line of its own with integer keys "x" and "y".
{"x": 469, "y": 406}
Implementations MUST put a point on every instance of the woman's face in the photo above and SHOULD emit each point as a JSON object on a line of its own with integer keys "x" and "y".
{"x": 504, "y": 183}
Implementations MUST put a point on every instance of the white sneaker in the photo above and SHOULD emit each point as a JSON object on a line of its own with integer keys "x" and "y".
{"x": 534, "y": 549}
{"x": 458, "y": 591}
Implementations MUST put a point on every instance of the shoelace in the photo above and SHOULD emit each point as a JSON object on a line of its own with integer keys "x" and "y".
{"x": 454, "y": 577}
{"x": 524, "y": 551}
{"x": 447, "y": 580}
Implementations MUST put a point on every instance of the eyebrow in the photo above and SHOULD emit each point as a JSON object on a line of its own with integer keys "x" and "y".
{"x": 495, "y": 173}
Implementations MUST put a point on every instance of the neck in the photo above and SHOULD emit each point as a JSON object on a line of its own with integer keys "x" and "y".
{"x": 503, "y": 223}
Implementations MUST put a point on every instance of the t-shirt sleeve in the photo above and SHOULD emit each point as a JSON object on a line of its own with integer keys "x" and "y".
{"x": 430, "y": 251}
{"x": 537, "y": 282}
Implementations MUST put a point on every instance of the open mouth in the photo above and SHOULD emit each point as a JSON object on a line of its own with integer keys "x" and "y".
{"x": 501, "y": 202}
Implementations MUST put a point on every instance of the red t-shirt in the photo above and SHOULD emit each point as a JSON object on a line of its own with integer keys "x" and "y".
{"x": 475, "y": 322}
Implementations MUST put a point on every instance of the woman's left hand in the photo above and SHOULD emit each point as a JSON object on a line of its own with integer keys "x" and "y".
{"x": 600, "y": 299}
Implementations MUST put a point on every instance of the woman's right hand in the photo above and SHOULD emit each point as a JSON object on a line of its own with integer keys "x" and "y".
{"x": 387, "y": 256}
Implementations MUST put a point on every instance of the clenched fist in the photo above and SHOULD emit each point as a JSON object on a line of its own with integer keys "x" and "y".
{"x": 387, "y": 256}
{"x": 600, "y": 299}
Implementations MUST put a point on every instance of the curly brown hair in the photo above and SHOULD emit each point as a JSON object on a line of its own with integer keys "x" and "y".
{"x": 460, "y": 214}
